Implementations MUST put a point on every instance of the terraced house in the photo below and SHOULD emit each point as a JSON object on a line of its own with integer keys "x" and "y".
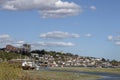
{"x": 25, "y": 48}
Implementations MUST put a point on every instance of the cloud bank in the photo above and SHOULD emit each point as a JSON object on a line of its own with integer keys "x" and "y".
{"x": 54, "y": 44}
{"x": 5, "y": 38}
{"x": 115, "y": 39}
{"x": 88, "y": 35}
{"x": 117, "y": 43}
{"x": 59, "y": 35}
{"x": 46, "y": 8}
{"x": 19, "y": 43}
{"x": 93, "y": 8}
{"x": 110, "y": 37}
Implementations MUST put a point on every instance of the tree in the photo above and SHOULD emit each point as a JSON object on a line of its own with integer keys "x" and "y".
{"x": 43, "y": 52}
{"x": 103, "y": 59}
{"x": 9, "y": 56}
{"x": 114, "y": 63}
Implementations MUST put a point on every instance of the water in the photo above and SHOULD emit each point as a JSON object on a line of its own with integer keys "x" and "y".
{"x": 106, "y": 76}
{"x": 110, "y": 78}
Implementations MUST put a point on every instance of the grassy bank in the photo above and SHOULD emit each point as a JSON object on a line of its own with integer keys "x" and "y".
{"x": 14, "y": 72}
{"x": 55, "y": 75}
{"x": 9, "y": 71}
{"x": 108, "y": 70}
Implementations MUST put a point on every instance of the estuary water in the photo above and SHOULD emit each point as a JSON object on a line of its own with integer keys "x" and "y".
{"x": 106, "y": 76}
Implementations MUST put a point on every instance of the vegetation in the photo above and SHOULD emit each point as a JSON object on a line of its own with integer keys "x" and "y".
{"x": 67, "y": 55}
{"x": 14, "y": 72}
{"x": 108, "y": 70}
{"x": 56, "y": 75}
{"x": 52, "y": 53}
{"x": 115, "y": 63}
{"x": 9, "y": 71}
{"x": 12, "y": 55}
{"x": 9, "y": 56}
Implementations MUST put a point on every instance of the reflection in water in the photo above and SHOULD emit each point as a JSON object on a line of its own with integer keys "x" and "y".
{"x": 106, "y": 76}
{"x": 110, "y": 78}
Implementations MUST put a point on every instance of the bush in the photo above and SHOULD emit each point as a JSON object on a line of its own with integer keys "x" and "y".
{"x": 9, "y": 71}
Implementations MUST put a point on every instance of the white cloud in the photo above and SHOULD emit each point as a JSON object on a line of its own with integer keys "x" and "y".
{"x": 117, "y": 38}
{"x": 114, "y": 38}
{"x": 110, "y": 37}
{"x": 117, "y": 43}
{"x": 88, "y": 35}
{"x": 59, "y": 35}
{"x": 93, "y": 8}
{"x": 61, "y": 9}
{"x": 54, "y": 44}
{"x": 47, "y": 8}
{"x": 1, "y": 1}
{"x": 5, "y": 38}
{"x": 19, "y": 43}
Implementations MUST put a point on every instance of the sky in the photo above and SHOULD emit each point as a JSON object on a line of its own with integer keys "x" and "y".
{"x": 83, "y": 27}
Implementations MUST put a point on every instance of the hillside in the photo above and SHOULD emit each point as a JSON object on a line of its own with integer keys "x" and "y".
{"x": 53, "y": 58}
{"x": 8, "y": 56}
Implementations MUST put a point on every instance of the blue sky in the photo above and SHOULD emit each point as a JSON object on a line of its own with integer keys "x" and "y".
{"x": 83, "y": 27}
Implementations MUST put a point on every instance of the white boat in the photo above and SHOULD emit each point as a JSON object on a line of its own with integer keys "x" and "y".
{"x": 28, "y": 65}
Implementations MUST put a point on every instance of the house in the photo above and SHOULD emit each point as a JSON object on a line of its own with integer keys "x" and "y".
{"x": 54, "y": 64}
{"x": 35, "y": 55}
{"x": 24, "y": 49}
{"x": 10, "y": 48}
{"x": 106, "y": 65}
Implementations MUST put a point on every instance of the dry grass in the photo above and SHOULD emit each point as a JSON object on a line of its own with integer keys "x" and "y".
{"x": 14, "y": 72}
{"x": 56, "y": 75}
{"x": 9, "y": 71}
{"x": 109, "y": 70}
